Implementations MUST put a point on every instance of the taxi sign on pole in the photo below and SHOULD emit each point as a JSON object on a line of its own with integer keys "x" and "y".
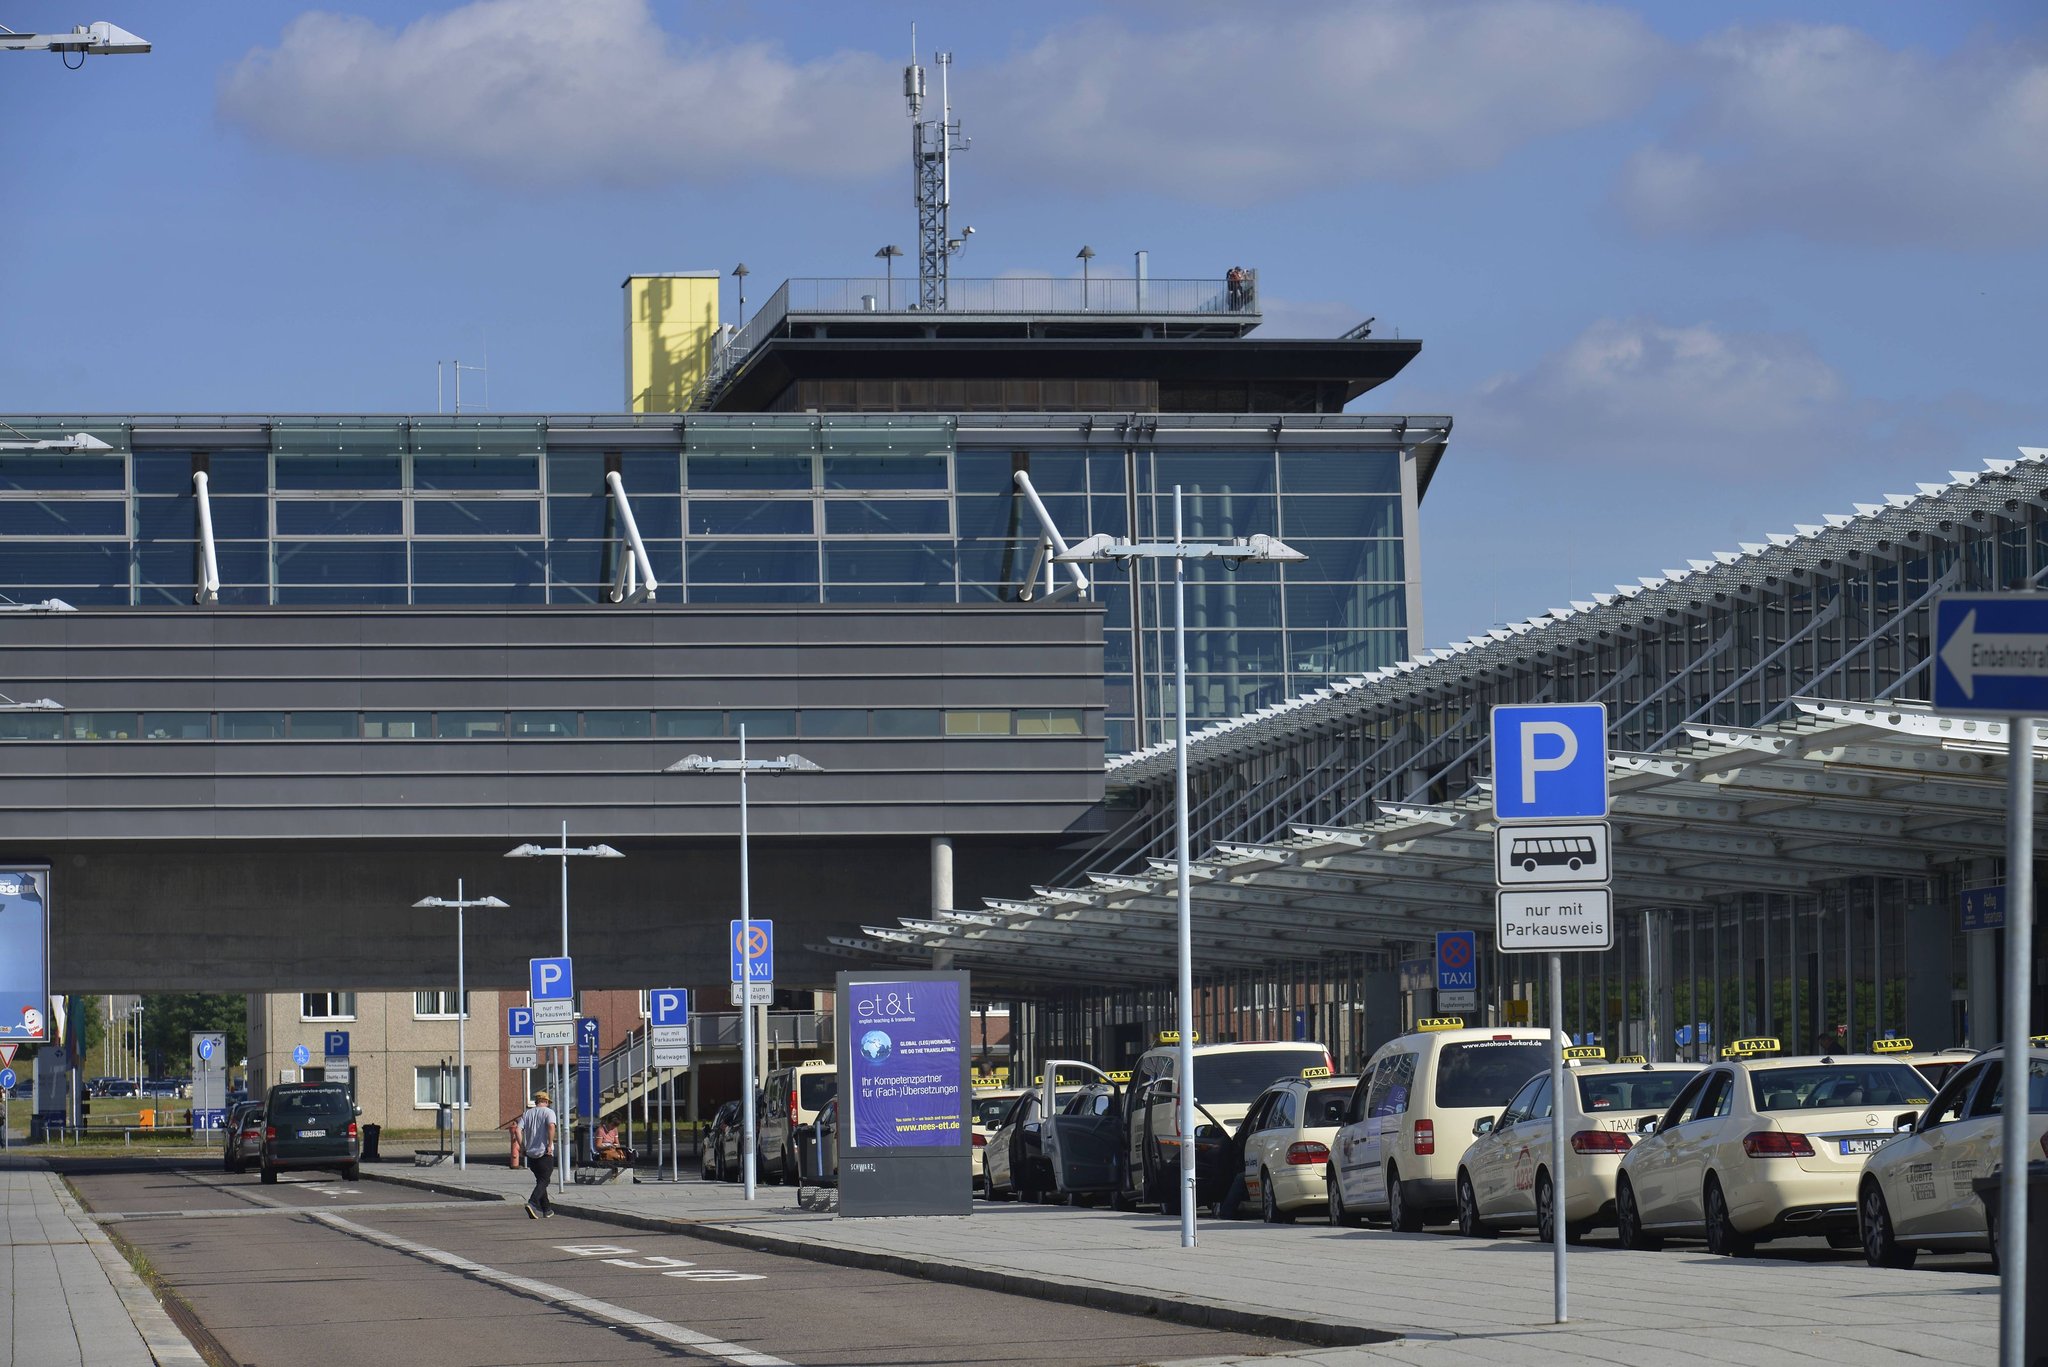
{"x": 1457, "y": 971}
{"x": 753, "y": 955}
{"x": 552, "y": 985}
{"x": 668, "y": 1026}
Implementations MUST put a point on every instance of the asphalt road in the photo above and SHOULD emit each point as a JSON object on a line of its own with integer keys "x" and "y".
{"x": 313, "y": 1270}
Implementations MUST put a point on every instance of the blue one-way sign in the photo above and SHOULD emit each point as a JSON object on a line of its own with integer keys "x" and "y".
{"x": 1549, "y": 761}
{"x": 756, "y": 948}
{"x": 1992, "y": 653}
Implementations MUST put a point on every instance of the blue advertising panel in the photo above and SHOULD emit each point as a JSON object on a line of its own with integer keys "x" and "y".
{"x": 907, "y": 1081}
{"x": 24, "y": 954}
{"x": 1549, "y": 761}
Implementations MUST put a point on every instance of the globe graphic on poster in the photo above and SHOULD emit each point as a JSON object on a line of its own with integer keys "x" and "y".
{"x": 875, "y": 1046}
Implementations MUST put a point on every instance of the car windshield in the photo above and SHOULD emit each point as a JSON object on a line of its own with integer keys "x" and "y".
{"x": 1485, "y": 1072}
{"x": 1653, "y": 1091}
{"x": 324, "y": 1101}
{"x": 815, "y": 1089}
{"x": 990, "y": 1110}
{"x": 1233, "y": 1077}
{"x": 1326, "y": 1107}
{"x": 1825, "y": 1086}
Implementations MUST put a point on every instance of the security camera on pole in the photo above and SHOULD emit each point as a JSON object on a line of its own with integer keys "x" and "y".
{"x": 1552, "y": 863}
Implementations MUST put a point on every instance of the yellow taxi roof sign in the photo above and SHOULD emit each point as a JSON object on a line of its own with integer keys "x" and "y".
{"x": 1631, "y": 1058}
{"x": 2038, "y": 1041}
{"x": 1586, "y": 1051}
{"x": 1441, "y": 1023}
{"x": 1891, "y": 1046}
{"x": 1749, "y": 1048}
{"x": 1315, "y": 1072}
{"x": 1121, "y": 1075}
{"x": 1165, "y": 1037}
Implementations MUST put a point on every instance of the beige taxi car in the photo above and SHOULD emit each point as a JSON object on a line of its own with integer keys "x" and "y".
{"x": 988, "y": 1107}
{"x": 1228, "y": 1078}
{"x": 1759, "y": 1147}
{"x": 1918, "y": 1191}
{"x": 1504, "y": 1179}
{"x": 1287, "y": 1135}
{"x": 1410, "y": 1117}
{"x": 1936, "y": 1065}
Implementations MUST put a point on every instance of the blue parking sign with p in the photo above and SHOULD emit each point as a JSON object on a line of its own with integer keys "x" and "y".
{"x": 519, "y": 1020}
{"x": 335, "y": 1045}
{"x": 670, "y": 1006}
{"x": 1549, "y": 761}
{"x": 552, "y": 980}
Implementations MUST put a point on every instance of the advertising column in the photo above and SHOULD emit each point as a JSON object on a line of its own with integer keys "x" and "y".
{"x": 904, "y": 1146}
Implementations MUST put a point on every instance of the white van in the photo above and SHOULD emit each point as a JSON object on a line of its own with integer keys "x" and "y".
{"x": 790, "y": 1097}
{"x": 1228, "y": 1078}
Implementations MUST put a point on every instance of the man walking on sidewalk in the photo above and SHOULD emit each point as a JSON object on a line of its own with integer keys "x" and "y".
{"x": 533, "y": 1140}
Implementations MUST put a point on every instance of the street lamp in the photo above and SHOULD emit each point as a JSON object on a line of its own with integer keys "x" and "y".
{"x": 566, "y": 851}
{"x": 99, "y": 39}
{"x": 1085, "y": 255}
{"x": 1257, "y": 549}
{"x": 460, "y": 905}
{"x": 740, "y": 273}
{"x": 889, "y": 255}
{"x": 782, "y": 764}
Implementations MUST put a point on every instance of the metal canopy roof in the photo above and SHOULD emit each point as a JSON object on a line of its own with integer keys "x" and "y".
{"x": 1838, "y": 790}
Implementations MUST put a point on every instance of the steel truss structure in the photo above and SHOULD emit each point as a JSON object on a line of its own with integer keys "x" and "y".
{"x": 1766, "y": 754}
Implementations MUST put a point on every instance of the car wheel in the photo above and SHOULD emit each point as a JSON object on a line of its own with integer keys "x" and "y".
{"x": 1469, "y": 1223}
{"x": 1991, "y": 1232}
{"x": 1400, "y": 1214}
{"x": 1269, "y": 1204}
{"x": 1881, "y": 1247}
{"x": 1628, "y": 1221}
{"x": 1723, "y": 1239}
{"x": 352, "y": 1172}
{"x": 1339, "y": 1215}
{"x": 1546, "y": 1210}
{"x": 269, "y": 1174}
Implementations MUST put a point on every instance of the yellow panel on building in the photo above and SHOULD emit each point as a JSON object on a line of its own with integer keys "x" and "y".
{"x": 671, "y": 323}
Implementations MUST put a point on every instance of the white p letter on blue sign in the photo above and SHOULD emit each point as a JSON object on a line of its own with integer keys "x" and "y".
{"x": 1549, "y": 761}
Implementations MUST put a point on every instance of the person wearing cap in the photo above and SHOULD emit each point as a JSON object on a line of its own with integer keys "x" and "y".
{"x": 533, "y": 1141}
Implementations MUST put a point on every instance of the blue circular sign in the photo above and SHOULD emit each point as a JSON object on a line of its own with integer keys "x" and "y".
{"x": 6, "y": 1079}
{"x": 301, "y": 1055}
{"x": 206, "y": 1049}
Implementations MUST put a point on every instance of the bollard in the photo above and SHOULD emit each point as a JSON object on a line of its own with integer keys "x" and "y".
{"x": 1990, "y": 1190}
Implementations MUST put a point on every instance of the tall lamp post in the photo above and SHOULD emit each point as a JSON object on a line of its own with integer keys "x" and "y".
{"x": 889, "y": 255}
{"x": 740, "y": 273}
{"x": 460, "y": 905}
{"x": 1259, "y": 550}
{"x": 565, "y": 851}
{"x": 1084, "y": 256}
{"x": 782, "y": 764}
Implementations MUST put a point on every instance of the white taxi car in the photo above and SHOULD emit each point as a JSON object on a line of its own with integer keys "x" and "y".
{"x": 1228, "y": 1078}
{"x": 1760, "y": 1147}
{"x": 1287, "y": 1135}
{"x": 1504, "y": 1178}
{"x": 1406, "y": 1124}
{"x": 1936, "y": 1065}
{"x": 1917, "y": 1191}
{"x": 989, "y": 1106}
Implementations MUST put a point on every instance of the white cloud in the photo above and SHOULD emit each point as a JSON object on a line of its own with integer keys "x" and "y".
{"x": 1827, "y": 134}
{"x": 540, "y": 92}
{"x": 1219, "y": 104}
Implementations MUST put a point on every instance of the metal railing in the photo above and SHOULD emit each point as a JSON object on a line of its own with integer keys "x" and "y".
{"x": 627, "y": 1059}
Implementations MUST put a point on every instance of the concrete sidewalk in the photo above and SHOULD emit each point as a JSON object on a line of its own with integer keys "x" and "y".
{"x": 1451, "y": 1300}
{"x": 72, "y": 1300}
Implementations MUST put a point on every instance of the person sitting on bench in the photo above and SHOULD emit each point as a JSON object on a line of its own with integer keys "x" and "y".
{"x": 606, "y": 1145}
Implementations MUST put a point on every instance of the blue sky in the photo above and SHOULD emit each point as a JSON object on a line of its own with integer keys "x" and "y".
{"x": 1685, "y": 274}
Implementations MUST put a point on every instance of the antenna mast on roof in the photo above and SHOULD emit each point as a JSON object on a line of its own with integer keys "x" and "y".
{"x": 932, "y": 143}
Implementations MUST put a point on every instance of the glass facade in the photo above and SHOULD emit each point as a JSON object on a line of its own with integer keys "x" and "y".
{"x": 748, "y": 509}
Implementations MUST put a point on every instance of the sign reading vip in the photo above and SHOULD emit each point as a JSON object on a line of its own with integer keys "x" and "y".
{"x": 668, "y": 1010}
{"x": 551, "y": 983}
{"x": 1993, "y": 653}
{"x": 1552, "y": 866}
{"x": 520, "y": 1050}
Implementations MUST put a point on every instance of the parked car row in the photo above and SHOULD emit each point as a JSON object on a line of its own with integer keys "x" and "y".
{"x": 786, "y": 1115}
{"x": 298, "y": 1126}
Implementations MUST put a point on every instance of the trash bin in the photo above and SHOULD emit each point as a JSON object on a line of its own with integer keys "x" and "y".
{"x": 146, "y": 1118}
{"x": 371, "y": 1134}
{"x": 1991, "y": 1191}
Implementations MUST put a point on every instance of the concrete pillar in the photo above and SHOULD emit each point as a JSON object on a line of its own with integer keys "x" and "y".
{"x": 942, "y": 890}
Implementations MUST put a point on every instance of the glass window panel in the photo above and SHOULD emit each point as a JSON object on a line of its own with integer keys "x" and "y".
{"x": 1346, "y": 605}
{"x": 1339, "y": 515}
{"x": 753, "y": 593}
{"x": 324, "y": 725}
{"x": 576, "y": 472}
{"x": 770, "y": 723}
{"x": 909, "y": 721}
{"x": 885, "y": 470}
{"x": 1213, "y": 472}
{"x": 163, "y": 472}
{"x": 1379, "y": 560}
{"x": 580, "y": 562}
{"x": 470, "y": 725}
{"x": 339, "y": 517}
{"x": 889, "y": 593}
{"x": 999, "y": 562}
{"x": 39, "y": 472}
{"x": 64, "y": 562}
{"x": 586, "y": 518}
{"x": 30, "y": 726}
{"x": 651, "y": 472}
{"x": 689, "y": 723}
{"x": 341, "y": 562}
{"x": 474, "y": 517}
{"x": 887, "y": 517}
{"x": 237, "y": 472}
{"x": 340, "y": 472}
{"x": 987, "y": 472}
{"x": 100, "y": 726}
{"x": 1225, "y": 652}
{"x": 1222, "y": 606}
{"x": 1214, "y": 518}
{"x": 489, "y": 595}
{"x": 63, "y": 517}
{"x": 1049, "y": 722}
{"x": 252, "y": 725}
{"x": 177, "y": 725}
{"x": 749, "y": 472}
{"x": 476, "y": 472}
{"x": 1058, "y": 471}
{"x": 559, "y": 592}
{"x": 765, "y": 562}
{"x": 539, "y": 725}
{"x": 477, "y": 562}
{"x": 834, "y": 721}
{"x": 750, "y": 517}
{"x": 618, "y": 725}
{"x": 1344, "y": 652}
{"x": 398, "y": 725}
{"x": 982, "y": 723}
{"x": 658, "y": 515}
{"x": 1116, "y": 652}
{"x": 350, "y": 595}
{"x": 234, "y": 519}
{"x": 1340, "y": 472}
{"x": 913, "y": 562}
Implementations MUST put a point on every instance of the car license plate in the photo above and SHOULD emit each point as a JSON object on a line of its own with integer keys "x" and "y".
{"x": 322, "y": 1134}
{"x": 1868, "y": 1143}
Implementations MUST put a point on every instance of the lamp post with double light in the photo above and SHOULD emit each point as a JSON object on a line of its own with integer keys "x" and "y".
{"x": 460, "y": 905}
{"x": 781, "y": 764}
{"x": 1252, "y": 550}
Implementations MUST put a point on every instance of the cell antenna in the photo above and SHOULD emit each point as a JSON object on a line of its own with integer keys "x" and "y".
{"x": 932, "y": 143}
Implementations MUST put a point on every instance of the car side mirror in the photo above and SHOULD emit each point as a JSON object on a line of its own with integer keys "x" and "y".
{"x": 1483, "y": 1125}
{"x": 1031, "y": 1127}
{"x": 1904, "y": 1122}
{"x": 1647, "y": 1125}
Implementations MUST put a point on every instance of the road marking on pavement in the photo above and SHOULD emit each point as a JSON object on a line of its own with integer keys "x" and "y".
{"x": 243, "y": 1213}
{"x": 652, "y": 1325}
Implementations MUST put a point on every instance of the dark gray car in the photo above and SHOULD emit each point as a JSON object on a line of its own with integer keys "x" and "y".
{"x": 242, "y": 1135}
{"x": 310, "y": 1125}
